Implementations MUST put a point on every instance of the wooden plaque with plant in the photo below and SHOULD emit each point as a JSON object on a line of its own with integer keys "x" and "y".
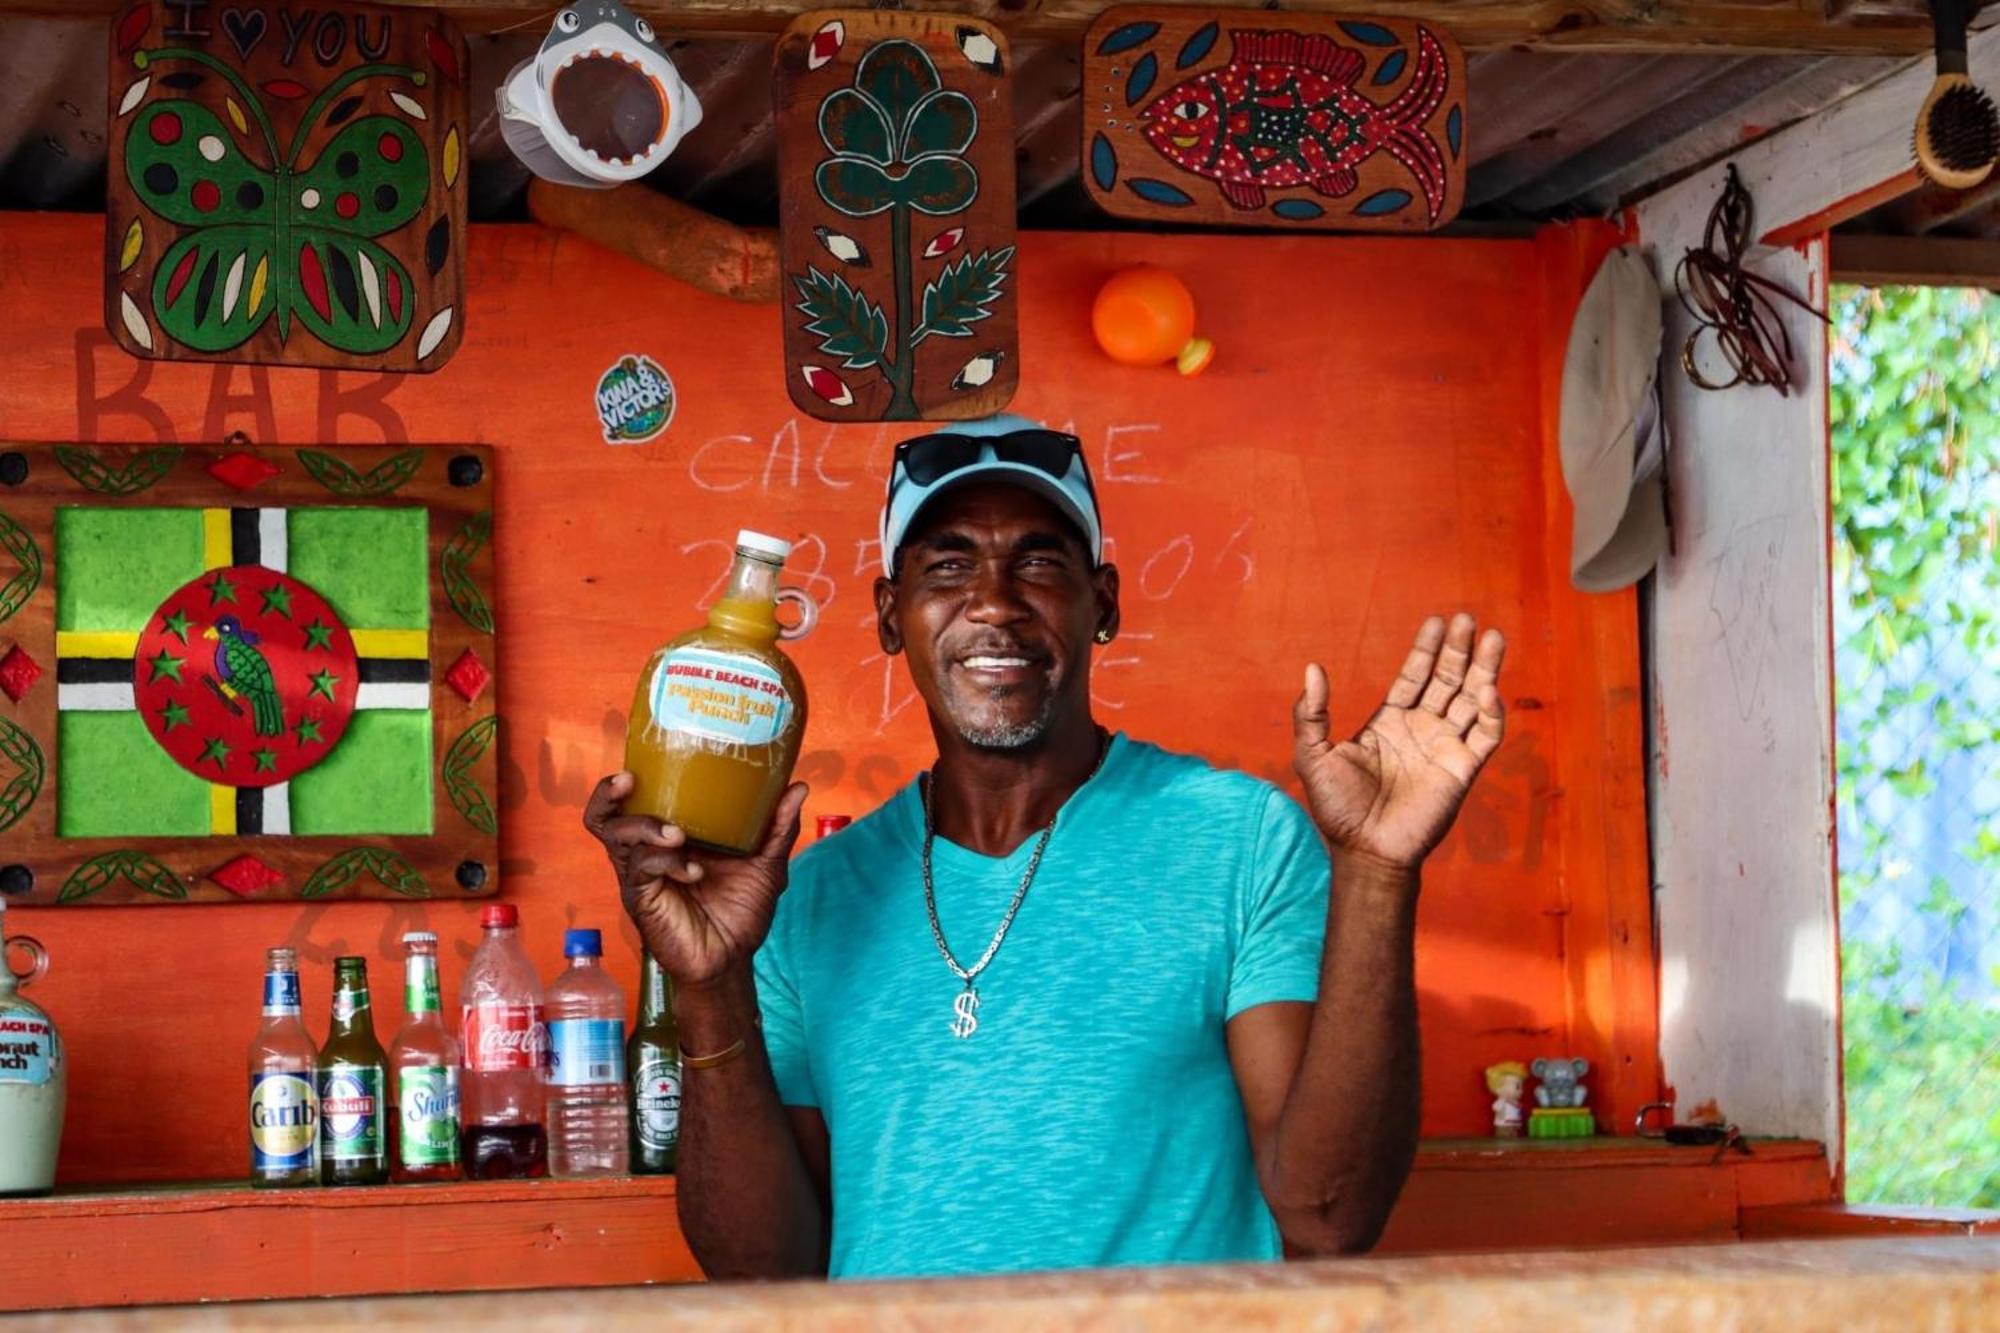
{"x": 896, "y": 175}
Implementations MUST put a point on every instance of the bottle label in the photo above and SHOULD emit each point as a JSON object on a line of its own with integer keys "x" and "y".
{"x": 281, "y": 994}
{"x": 586, "y": 1052}
{"x": 656, "y": 1097}
{"x": 724, "y": 697}
{"x": 429, "y": 1113}
{"x": 347, "y": 1003}
{"x": 284, "y": 1124}
{"x": 420, "y": 986}
{"x": 350, "y": 1108}
{"x": 28, "y": 1049}
{"x": 504, "y": 1036}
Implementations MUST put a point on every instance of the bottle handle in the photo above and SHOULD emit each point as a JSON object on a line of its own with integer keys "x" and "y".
{"x": 808, "y": 613}
{"x": 38, "y": 960}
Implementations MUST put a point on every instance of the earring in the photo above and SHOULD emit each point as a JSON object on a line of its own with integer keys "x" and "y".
{"x": 1103, "y": 636}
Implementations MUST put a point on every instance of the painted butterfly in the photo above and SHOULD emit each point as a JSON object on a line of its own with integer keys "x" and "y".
{"x": 282, "y": 239}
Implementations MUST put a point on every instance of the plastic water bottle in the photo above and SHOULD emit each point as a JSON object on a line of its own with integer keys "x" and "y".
{"x": 505, "y": 1050}
{"x": 587, "y": 1097}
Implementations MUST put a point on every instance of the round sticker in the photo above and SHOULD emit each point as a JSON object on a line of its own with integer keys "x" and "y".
{"x": 635, "y": 400}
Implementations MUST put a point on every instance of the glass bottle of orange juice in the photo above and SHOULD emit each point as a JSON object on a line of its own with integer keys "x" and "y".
{"x": 719, "y": 712}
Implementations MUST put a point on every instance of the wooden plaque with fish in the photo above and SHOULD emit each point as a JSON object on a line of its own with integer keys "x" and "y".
{"x": 896, "y": 184}
{"x": 287, "y": 185}
{"x": 1255, "y": 118}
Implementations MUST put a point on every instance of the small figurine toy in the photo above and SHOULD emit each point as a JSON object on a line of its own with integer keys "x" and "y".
{"x": 1507, "y": 1081}
{"x": 1559, "y": 1101}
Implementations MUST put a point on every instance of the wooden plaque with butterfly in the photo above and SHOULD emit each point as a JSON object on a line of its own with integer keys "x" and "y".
{"x": 287, "y": 184}
{"x": 1252, "y": 118}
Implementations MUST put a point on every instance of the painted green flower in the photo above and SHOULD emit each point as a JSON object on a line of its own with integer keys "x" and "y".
{"x": 897, "y": 136}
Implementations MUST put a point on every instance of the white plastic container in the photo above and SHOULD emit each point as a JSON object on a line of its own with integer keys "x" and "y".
{"x": 34, "y": 1084}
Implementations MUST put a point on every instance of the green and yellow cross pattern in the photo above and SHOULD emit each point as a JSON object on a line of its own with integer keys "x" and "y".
{"x": 245, "y": 671}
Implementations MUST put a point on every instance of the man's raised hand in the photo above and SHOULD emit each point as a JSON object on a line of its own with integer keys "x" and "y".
{"x": 1392, "y": 792}
{"x": 700, "y": 913}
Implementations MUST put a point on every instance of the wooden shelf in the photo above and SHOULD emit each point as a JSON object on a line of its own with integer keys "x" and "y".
{"x": 223, "y": 1242}
{"x": 226, "y": 1242}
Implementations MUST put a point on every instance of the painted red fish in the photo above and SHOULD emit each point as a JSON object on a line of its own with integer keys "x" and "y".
{"x": 1284, "y": 113}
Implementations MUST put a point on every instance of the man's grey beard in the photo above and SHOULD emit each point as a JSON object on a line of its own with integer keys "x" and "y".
{"x": 1008, "y": 736}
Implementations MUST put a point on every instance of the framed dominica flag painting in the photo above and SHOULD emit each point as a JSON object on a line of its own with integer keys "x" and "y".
{"x": 234, "y": 674}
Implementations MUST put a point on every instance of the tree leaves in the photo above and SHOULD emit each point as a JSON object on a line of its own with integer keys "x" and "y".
{"x": 454, "y": 571}
{"x": 127, "y": 869}
{"x": 961, "y": 295}
{"x": 92, "y": 473}
{"x": 339, "y": 476}
{"x": 463, "y": 790}
{"x": 24, "y": 770}
{"x": 27, "y": 576}
{"x": 846, "y": 323}
{"x": 379, "y": 863}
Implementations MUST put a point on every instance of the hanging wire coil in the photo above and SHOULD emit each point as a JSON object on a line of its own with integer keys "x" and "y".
{"x": 1732, "y": 303}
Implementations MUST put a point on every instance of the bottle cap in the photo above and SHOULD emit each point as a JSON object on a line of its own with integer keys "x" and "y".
{"x": 827, "y": 824}
{"x": 420, "y": 937}
{"x": 756, "y": 543}
{"x": 499, "y": 914}
{"x": 583, "y": 944}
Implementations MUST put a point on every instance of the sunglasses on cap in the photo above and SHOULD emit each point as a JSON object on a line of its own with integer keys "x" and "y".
{"x": 930, "y": 458}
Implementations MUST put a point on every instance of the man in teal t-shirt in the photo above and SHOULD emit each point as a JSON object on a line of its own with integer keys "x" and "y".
{"x": 1069, "y": 999}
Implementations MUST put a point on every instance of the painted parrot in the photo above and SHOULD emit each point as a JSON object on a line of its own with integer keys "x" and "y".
{"x": 243, "y": 673}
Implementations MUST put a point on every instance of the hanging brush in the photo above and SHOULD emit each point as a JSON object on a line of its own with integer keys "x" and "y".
{"x": 1958, "y": 130}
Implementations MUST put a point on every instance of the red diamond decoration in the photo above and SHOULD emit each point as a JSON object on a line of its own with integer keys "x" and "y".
{"x": 246, "y": 876}
{"x": 242, "y": 470}
{"x": 18, "y": 673}
{"x": 827, "y": 385}
{"x": 825, "y": 44}
{"x": 468, "y": 675}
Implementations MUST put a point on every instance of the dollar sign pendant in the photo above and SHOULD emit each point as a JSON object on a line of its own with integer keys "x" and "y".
{"x": 965, "y": 1011}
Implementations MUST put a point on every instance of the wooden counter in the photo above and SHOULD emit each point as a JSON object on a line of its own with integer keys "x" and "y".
{"x": 229, "y": 1242}
{"x": 1854, "y": 1285}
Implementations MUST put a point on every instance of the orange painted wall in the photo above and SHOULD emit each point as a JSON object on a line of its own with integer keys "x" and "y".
{"x": 1370, "y": 446}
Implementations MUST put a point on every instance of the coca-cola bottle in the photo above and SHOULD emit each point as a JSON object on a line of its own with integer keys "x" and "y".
{"x": 506, "y": 1051}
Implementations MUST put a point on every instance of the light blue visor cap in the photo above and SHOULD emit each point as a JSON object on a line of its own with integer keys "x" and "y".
{"x": 1071, "y": 494}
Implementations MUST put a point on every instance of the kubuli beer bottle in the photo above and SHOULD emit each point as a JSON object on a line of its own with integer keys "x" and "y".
{"x": 653, "y": 1062}
{"x": 284, "y": 1097}
{"x": 353, "y": 1147}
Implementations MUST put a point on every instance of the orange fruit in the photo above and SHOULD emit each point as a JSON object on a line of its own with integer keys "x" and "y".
{"x": 1143, "y": 315}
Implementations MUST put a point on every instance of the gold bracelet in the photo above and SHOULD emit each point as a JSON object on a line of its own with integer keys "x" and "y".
{"x": 721, "y": 1057}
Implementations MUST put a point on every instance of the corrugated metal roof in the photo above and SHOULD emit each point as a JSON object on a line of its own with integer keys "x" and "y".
{"x": 1549, "y": 135}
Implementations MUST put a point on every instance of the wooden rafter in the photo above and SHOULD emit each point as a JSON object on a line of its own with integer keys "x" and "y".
{"x": 1852, "y": 27}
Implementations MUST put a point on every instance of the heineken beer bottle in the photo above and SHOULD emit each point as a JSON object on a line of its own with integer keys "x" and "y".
{"x": 425, "y": 1059}
{"x": 284, "y": 1104}
{"x": 353, "y": 1148}
{"x": 653, "y": 1063}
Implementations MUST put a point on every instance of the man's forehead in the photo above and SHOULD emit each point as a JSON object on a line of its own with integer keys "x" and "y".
{"x": 993, "y": 510}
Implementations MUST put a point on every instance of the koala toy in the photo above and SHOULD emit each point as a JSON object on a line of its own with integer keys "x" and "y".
{"x": 1559, "y": 1086}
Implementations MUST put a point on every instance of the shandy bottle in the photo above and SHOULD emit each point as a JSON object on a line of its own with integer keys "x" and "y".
{"x": 653, "y": 1063}
{"x": 284, "y": 1102}
{"x": 425, "y": 1059}
{"x": 719, "y": 711}
{"x": 353, "y": 1143}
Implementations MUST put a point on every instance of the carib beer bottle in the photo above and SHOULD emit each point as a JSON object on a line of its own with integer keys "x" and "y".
{"x": 284, "y": 1100}
{"x": 353, "y": 1073}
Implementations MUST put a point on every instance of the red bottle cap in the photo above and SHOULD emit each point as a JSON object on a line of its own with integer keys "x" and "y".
{"x": 499, "y": 914}
{"x": 827, "y": 824}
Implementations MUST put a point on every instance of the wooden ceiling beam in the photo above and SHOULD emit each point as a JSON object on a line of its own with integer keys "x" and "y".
{"x": 1834, "y": 27}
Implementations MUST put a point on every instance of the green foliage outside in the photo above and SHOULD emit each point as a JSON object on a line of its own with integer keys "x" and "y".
{"x": 1915, "y": 399}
